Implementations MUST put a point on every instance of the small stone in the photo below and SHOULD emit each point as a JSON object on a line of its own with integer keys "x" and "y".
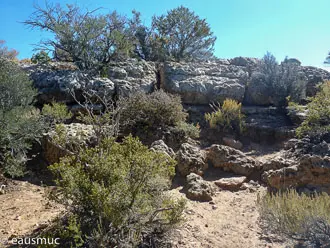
{"x": 214, "y": 207}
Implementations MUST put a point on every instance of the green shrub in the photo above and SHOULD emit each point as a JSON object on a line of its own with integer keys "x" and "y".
{"x": 40, "y": 58}
{"x": 20, "y": 122}
{"x": 148, "y": 112}
{"x": 117, "y": 192}
{"x": 188, "y": 129}
{"x": 293, "y": 215}
{"x": 56, "y": 112}
{"x": 228, "y": 117}
{"x": 318, "y": 113}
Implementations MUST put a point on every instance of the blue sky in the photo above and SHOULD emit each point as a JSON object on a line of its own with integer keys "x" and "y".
{"x": 294, "y": 28}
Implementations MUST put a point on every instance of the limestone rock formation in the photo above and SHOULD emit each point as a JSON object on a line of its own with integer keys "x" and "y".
{"x": 133, "y": 75}
{"x": 198, "y": 189}
{"x": 230, "y": 159}
{"x": 191, "y": 160}
{"x": 204, "y": 82}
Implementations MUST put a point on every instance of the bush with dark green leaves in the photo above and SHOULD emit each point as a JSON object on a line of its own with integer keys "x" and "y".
{"x": 280, "y": 80}
{"x": 182, "y": 35}
{"x": 56, "y": 112}
{"x": 20, "y": 122}
{"x": 150, "y": 112}
{"x": 40, "y": 58}
{"x": 117, "y": 193}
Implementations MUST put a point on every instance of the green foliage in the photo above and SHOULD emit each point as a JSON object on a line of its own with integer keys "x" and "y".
{"x": 318, "y": 113}
{"x": 118, "y": 188}
{"x": 282, "y": 80}
{"x": 88, "y": 39}
{"x": 20, "y": 123}
{"x": 188, "y": 129}
{"x": 182, "y": 35}
{"x": 157, "y": 110}
{"x": 227, "y": 117}
{"x": 291, "y": 215}
{"x": 56, "y": 112}
{"x": 40, "y": 58}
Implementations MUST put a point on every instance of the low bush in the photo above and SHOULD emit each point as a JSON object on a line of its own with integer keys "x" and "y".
{"x": 20, "y": 122}
{"x": 147, "y": 115}
{"x": 56, "y": 112}
{"x": 187, "y": 129}
{"x": 318, "y": 113}
{"x": 299, "y": 217}
{"x": 227, "y": 118}
{"x": 116, "y": 191}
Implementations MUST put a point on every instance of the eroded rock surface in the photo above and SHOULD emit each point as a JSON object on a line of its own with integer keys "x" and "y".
{"x": 198, "y": 189}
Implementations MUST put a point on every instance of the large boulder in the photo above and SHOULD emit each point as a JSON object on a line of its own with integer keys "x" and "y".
{"x": 191, "y": 160}
{"x": 198, "y": 189}
{"x": 133, "y": 75}
{"x": 230, "y": 183}
{"x": 230, "y": 159}
{"x": 204, "y": 82}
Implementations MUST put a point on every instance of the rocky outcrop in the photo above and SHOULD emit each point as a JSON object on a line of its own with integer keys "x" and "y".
{"x": 160, "y": 146}
{"x": 59, "y": 85}
{"x": 310, "y": 171}
{"x": 55, "y": 83}
{"x": 314, "y": 76}
{"x": 133, "y": 75}
{"x": 230, "y": 159}
{"x": 198, "y": 189}
{"x": 204, "y": 82}
{"x": 191, "y": 160}
{"x": 67, "y": 138}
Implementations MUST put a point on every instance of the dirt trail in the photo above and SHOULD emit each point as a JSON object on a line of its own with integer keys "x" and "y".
{"x": 230, "y": 223}
{"x": 23, "y": 209}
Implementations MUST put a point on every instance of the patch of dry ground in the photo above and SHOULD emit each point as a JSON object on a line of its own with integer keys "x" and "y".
{"x": 23, "y": 209}
{"x": 231, "y": 222}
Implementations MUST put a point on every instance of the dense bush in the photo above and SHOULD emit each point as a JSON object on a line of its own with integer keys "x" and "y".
{"x": 182, "y": 35}
{"x": 298, "y": 217}
{"x": 281, "y": 80}
{"x": 318, "y": 113}
{"x": 20, "y": 123}
{"x": 116, "y": 192}
{"x": 150, "y": 112}
{"x": 227, "y": 117}
{"x": 40, "y": 58}
{"x": 56, "y": 112}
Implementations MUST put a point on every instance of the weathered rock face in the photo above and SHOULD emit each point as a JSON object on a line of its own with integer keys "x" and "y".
{"x": 314, "y": 77}
{"x": 160, "y": 146}
{"x": 54, "y": 83}
{"x": 267, "y": 125}
{"x": 133, "y": 75}
{"x": 230, "y": 159}
{"x": 197, "y": 189}
{"x": 191, "y": 160}
{"x": 310, "y": 171}
{"x": 57, "y": 85}
{"x": 75, "y": 134}
{"x": 205, "y": 82}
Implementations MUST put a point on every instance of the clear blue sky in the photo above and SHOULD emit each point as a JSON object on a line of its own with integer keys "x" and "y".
{"x": 294, "y": 28}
